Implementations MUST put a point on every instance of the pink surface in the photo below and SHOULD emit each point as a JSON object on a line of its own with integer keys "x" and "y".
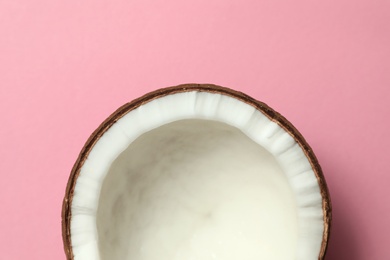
{"x": 66, "y": 65}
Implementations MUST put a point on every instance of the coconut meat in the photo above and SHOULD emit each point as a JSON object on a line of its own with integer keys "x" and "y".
{"x": 196, "y": 176}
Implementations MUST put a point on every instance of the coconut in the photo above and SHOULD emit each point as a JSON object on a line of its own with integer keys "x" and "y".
{"x": 196, "y": 172}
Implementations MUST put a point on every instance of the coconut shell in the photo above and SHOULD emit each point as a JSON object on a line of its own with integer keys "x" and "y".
{"x": 123, "y": 110}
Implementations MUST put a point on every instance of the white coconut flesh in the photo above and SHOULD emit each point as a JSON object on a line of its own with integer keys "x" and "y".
{"x": 196, "y": 176}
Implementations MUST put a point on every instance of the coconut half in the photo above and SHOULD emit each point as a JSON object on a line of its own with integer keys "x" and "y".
{"x": 196, "y": 172}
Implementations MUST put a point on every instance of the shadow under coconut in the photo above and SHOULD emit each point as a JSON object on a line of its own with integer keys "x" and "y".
{"x": 342, "y": 244}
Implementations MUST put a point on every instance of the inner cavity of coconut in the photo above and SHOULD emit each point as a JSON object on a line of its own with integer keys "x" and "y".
{"x": 196, "y": 190}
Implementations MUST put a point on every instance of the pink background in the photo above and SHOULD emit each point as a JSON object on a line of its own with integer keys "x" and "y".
{"x": 66, "y": 65}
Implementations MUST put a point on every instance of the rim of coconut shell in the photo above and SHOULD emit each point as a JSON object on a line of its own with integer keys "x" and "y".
{"x": 210, "y": 88}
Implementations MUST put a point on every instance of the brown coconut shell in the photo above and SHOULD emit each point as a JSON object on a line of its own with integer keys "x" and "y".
{"x": 123, "y": 110}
